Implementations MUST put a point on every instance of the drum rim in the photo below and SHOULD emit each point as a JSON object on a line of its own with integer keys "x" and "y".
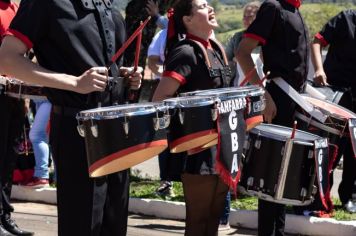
{"x": 334, "y": 115}
{"x": 250, "y": 90}
{"x": 113, "y": 112}
{"x": 200, "y": 101}
{"x": 284, "y": 138}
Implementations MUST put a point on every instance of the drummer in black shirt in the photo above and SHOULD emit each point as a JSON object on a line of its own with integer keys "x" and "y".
{"x": 280, "y": 30}
{"x": 339, "y": 70}
{"x": 185, "y": 70}
{"x": 73, "y": 41}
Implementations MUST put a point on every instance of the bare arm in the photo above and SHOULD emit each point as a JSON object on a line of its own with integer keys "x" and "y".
{"x": 13, "y": 62}
{"x": 243, "y": 55}
{"x": 166, "y": 88}
{"x": 153, "y": 63}
{"x": 316, "y": 57}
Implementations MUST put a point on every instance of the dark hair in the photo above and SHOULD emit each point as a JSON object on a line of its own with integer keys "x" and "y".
{"x": 181, "y": 8}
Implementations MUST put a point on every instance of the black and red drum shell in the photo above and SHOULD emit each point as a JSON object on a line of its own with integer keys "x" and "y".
{"x": 263, "y": 162}
{"x": 254, "y": 95}
{"x": 192, "y": 124}
{"x": 126, "y": 136}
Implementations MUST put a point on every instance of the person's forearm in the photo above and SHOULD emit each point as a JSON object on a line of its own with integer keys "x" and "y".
{"x": 23, "y": 69}
{"x": 316, "y": 56}
{"x": 247, "y": 65}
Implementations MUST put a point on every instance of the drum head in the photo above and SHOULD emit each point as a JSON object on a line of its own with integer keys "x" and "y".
{"x": 330, "y": 108}
{"x": 112, "y": 112}
{"x": 282, "y": 133}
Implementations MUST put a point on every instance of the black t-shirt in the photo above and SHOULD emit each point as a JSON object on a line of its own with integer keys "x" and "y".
{"x": 67, "y": 37}
{"x": 340, "y": 62}
{"x": 186, "y": 64}
{"x": 280, "y": 29}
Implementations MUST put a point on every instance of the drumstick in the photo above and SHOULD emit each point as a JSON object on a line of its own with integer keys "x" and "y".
{"x": 132, "y": 94}
{"x": 128, "y": 42}
{"x": 293, "y": 131}
{"x": 248, "y": 77}
{"x": 138, "y": 49}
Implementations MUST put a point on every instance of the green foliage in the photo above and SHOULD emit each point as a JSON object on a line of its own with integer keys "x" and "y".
{"x": 316, "y": 15}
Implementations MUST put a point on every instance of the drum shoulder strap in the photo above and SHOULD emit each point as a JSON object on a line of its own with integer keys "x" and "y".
{"x": 224, "y": 72}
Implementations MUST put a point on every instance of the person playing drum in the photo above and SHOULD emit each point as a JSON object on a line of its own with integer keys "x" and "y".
{"x": 74, "y": 46}
{"x": 185, "y": 70}
{"x": 339, "y": 70}
{"x": 12, "y": 120}
{"x": 281, "y": 31}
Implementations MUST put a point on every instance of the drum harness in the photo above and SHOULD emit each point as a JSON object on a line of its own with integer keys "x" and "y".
{"x": 115, "y": 87}
{"x": 225, "y": 72}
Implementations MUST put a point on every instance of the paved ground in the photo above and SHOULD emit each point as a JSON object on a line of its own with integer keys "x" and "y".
{"x": 42, "y": 219}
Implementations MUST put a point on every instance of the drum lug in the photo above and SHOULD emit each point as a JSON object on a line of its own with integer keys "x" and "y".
{"x": 282, "y": 150}
{"x": 303, "y": 192}
{"x": 314, "y": 190}
{"x": 181, "y": 116}
{"x": 249, "y": 181}
{"x": 161, "y": 123}
{"x": 262, "y": 183}
{"x": 94, "y": 129}
{"x": 81, "y": 130}
{"x": 214, "y": 114}
{"x": 247, "y": 144}
{"x": 258, "y": 143}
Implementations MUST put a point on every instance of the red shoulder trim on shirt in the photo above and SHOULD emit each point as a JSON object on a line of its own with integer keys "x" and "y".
{"x": 254, "y": 36}
{"x": 295, "y": 3}
{"x": 172, "y": 74}
{"x": 321, "y": 39}
{"x": 20, "y": 36}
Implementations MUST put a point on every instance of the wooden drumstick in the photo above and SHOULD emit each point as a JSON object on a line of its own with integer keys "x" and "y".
{"x": 138, "y": 49}
{"x": 294, "y": 128}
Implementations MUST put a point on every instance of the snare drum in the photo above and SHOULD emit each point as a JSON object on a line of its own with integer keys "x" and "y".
{"x": 335, "y": 125}
{"x": 274, "y": 172}
{"x": 192, "y": 122}
{"x": 253, "y": 94}
{"x": 119, "y": 137}
{"x": 18, "y": 89}
{"x": 254, "y": 103}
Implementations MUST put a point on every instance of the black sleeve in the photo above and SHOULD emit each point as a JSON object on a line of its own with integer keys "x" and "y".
{"x": 180, "y": 62}
{"x": 262, "y": 27}
{"x": 32, "y": 21}
{"x": 336, "y": 28}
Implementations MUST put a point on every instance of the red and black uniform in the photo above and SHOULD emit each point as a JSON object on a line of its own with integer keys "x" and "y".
{"x": 186, "y": 64}
{"x": 340, "y": 70}
{"x": 281, "y": 31}
{"x": 11, "y": 124}
{"x": 71, "y": 37}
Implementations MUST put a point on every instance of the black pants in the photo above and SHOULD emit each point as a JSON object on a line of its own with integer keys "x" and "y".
{"x": 205, "y": 200}
{"x": 86, "y": 206}
{"x": 271, "y": 216}
{"x": 347, "y": 185}
{"x": 11, "y": 124}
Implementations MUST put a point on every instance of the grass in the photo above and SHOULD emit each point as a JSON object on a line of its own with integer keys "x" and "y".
{"x": 145, "y": 188}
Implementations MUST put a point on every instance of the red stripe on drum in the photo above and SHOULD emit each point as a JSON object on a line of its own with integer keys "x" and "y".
{"x": 122, "y": 153}
{"x": 253, "y": 121}
{"x": 191, "y": 137}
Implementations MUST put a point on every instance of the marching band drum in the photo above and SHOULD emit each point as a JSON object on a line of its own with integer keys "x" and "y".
{"x": 276, "y": 168}
{"x": 286, "y": 174}
{"x": 119, "y": 137}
